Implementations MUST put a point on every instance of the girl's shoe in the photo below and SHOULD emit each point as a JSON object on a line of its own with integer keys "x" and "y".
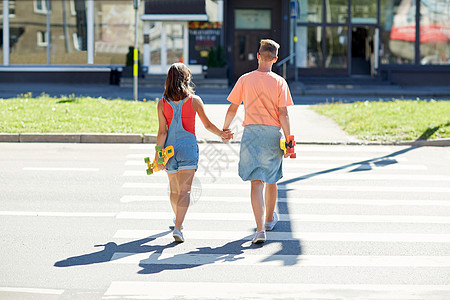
{"x": 260, "y": 237}
{"x": 270, "y": 225}
{"x": 178, "y": 236}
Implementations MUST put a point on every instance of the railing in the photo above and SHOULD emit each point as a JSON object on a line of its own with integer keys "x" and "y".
{"x": 283, "y": 62}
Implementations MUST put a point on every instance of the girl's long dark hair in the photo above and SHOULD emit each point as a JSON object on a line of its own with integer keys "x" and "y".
{"x": 178, "y": 83}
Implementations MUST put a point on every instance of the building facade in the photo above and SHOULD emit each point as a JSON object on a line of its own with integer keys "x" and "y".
{"x": 403, "y": 41}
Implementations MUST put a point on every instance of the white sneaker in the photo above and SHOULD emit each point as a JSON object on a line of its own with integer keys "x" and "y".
{"x": 178, "y": 236}
{"x": 260, "y": 237}
{"x": 270, "y": 225}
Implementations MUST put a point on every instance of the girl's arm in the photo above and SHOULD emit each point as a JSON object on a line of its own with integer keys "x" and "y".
{"x": 162, "y": 131}
{"x": 199, "y": 108}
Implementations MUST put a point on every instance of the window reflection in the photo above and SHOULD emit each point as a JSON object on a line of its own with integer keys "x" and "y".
{"x": 435, "y": 32}
{"x": 337, "y": 11}
{"x": 364, "y": 11}
{"x": 311, "y": 11}
{"x": 309, "y": 47}
{"x": 174, "y": 42}
{"x": 398, "y": 21}
{"x": 337, "y": 45}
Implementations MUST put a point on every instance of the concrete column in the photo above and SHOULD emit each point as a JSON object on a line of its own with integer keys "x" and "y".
{"x": 146, "y": 48}
{"x": 90, "y": 32}
{"x": 6, "y": 32}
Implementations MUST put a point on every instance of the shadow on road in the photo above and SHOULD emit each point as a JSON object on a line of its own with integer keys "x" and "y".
{"x": 107, "y": 253}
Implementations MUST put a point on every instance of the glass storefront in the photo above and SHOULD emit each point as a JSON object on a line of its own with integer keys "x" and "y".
{"x": 435, "y": 32}
{"x": 114, "y": 31}
{"x": 336, "y": 11}
{"x": 398, "y": 24}
{"x": 66, "y": 41}
{"x": 337, "y": 47}
{"x": 342, "y": 34}
{"x": 309, "y": 50}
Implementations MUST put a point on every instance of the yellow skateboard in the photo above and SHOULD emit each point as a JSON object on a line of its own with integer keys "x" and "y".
{"x": 163, "y": 157}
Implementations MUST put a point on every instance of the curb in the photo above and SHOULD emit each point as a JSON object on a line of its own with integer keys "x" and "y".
{"x": 105, "y": 138}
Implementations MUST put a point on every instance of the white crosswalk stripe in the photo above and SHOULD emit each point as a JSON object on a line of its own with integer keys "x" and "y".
{"x": 377, "y": 185}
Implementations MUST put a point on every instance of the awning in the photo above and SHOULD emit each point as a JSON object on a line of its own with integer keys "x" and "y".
{"x": 175, "y": 10}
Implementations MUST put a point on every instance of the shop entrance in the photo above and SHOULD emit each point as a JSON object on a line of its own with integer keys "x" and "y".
{"x": 363, "y": 54}
{"x": 246, "y": 45}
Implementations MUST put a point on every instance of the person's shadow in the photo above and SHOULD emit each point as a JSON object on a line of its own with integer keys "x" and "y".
{"x": 229, "y": 252}
{"x": 107, "y": 254}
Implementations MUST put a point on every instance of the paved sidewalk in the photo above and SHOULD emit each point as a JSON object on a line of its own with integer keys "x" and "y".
{"x": 307, "y": 126}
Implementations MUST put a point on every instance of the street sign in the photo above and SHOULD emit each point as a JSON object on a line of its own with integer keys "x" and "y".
{"x": 294, "y": 9}
{"x": 136, "y": 4}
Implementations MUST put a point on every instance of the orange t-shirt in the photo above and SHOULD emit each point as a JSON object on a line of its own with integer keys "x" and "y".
{"x": 262, "y": 93}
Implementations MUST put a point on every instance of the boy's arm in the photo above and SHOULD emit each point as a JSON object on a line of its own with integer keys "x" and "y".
{"x": 284, "y": 120}
{"x": 198, "y": 106}
{"x": 231, "y": 113}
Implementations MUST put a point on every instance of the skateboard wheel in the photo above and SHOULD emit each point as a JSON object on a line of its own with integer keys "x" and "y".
{"x": 158, "y": 147}
{"x": 149, "y": 171}
{"x": 147, "y": 160}
{"x": 160, "y": 160}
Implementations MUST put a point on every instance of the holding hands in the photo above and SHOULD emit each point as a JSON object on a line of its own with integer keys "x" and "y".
{"x": 226, "y": 135}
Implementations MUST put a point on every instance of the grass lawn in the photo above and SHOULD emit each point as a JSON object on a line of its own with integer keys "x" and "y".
{"x": 393, "y": 121}
{"x": 76, "y": 115}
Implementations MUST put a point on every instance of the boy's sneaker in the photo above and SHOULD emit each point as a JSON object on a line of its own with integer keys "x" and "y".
{"x": 178, "y": 236}
{"x": 260, "y": 237}
{"x": 270, "y": 225}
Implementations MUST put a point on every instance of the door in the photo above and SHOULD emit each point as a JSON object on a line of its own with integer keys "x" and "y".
{"x": 246, "y": 46}
{"x": 363, "y": 54}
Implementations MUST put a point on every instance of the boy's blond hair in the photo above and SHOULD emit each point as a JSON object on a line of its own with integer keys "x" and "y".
{"x": 268, "y": 49}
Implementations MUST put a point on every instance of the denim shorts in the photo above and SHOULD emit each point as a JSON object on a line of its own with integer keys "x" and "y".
{"x": 185, "y": 158}
{"x": 261, "y": 157}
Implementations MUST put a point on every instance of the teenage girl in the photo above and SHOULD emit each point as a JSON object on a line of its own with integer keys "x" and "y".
{"x": 176, "y": 115}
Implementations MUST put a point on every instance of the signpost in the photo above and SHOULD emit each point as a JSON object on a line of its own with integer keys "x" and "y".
{"x": 136, "y": 51}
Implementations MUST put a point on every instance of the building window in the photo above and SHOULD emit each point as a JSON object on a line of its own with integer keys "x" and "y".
{"x": 40, "y": 6}
{"x": 398, "y": 36}
{"x": 364, "y": 12}
{"x": 337, "y": 11}
{"x": 12, "y": 9}
{"x": 435, "y": 32}
{"x": 311, "y": 11}
{"x": 42, "y": 39}
{"x": 309, "y": 47}
{"x": 252, "y": 19}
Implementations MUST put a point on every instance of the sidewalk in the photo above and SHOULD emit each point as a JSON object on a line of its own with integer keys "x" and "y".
{"x": 307, "y": 126}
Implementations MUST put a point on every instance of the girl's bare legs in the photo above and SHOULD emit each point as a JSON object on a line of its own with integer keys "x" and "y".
{"x": 181, "y": 183}
{"x": 257, "y": 199}
{"x": 270, "y": 200}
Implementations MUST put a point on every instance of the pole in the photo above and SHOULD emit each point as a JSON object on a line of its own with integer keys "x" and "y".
{"x": 136, "y": 51}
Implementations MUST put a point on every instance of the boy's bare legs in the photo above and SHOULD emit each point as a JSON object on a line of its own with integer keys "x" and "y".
{"x": 257, "y": 199}
{"x": 270, "y": 200}
{"x": 180, "y": 196}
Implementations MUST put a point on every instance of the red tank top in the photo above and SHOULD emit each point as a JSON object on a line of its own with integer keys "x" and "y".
{"x": 187, "y": 115}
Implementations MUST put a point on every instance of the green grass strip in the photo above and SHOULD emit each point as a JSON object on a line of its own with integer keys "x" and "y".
{"x": 71, "y": 114}
{"x": 393, "y": 121}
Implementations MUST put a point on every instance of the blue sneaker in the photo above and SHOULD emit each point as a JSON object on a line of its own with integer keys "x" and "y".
{"x": 178, "y": 236}
{"x": 270, "y": 225}
{"x": 260, "y": 237}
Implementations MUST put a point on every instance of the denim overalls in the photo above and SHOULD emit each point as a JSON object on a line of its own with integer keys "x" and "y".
{"x": 185, "y": 143}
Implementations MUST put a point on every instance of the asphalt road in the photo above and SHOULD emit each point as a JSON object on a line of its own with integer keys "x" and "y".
{"x": 83, "y": 221}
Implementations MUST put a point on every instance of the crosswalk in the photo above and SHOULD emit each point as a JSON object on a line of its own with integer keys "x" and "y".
{"x": 356, "y": 222}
